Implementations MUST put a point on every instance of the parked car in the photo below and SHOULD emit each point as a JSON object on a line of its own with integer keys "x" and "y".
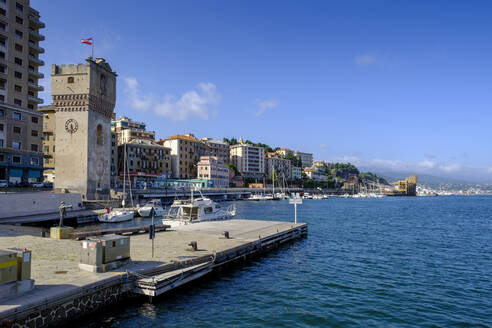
{"x": 4, "y": 184}
{"x": 37, "y": 185}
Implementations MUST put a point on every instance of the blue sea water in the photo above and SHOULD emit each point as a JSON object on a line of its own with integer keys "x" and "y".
{"x": 390, "y": 262}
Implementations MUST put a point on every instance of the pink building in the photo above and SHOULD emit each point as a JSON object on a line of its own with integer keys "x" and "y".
{"x": 211, "y": 168}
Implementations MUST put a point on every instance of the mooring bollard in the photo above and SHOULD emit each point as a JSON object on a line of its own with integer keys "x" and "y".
{"x": 193, "y": 245}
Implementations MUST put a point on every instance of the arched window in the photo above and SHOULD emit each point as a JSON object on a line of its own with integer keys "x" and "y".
{"x": 70, "y": 79}
{"x": 99, "y": 135}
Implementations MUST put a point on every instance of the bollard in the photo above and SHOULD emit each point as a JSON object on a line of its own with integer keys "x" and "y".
{"x": 193, "y": 245}
{"x": 226, "y": 235}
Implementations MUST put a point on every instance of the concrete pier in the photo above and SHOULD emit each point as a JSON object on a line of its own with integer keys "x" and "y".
{"x": 64, "y": 292}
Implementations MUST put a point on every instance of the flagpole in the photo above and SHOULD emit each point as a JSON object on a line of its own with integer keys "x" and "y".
{"x": 92, "y": 48}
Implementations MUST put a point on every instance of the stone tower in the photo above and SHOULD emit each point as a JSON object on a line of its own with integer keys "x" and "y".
{"x": 84, "y": 97}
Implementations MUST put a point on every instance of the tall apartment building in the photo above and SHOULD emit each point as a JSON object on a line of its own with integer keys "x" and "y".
{"x": 126, "y": 129}
{"x": 21, "y": 159}
{"x": 249, "y": 160}
{"x": 146, "y": 160}
{"x": 306, "y": 158}
{"x": 219, "y": 149}
{"x": 186, "y": 151}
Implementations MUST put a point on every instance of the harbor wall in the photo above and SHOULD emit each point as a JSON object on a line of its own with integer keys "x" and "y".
{"x": 20, "y": 204}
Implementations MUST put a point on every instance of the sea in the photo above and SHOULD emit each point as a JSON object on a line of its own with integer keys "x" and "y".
{"x": 385, "y": 262}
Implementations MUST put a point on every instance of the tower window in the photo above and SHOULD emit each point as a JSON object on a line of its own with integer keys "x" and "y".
{"x": 70, "y": 79}
{"x": 99, "y": 135}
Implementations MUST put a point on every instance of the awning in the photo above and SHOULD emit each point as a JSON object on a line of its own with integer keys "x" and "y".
{"x": 15, "y": 173}
{"x": 34, "y": 174}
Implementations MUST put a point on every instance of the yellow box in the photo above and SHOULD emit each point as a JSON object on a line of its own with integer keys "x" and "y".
{"x": 8, "y": 266}
{"x": 60, "y": 233}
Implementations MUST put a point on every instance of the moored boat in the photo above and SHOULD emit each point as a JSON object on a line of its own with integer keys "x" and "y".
{"x": 146, "y": 210}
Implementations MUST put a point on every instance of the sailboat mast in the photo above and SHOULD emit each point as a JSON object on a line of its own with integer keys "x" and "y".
{"x": 124, "y": 174}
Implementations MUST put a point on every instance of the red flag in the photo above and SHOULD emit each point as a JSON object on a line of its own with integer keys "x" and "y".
{"x": 87, "y": 41}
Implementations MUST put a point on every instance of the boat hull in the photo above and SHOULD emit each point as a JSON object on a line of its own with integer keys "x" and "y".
{"x": 116, "y": 217}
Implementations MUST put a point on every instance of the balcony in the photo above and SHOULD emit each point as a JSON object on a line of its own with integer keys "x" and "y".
{"x": 35, "y": 47}
{"x": 35, "y": 73}
{"x": 36, "y": 61}
{"x": 34, "y": 99}
{"x": 34, "y": 21}
{"x": 34, "y": 86}
{"x": 35, "y": 34}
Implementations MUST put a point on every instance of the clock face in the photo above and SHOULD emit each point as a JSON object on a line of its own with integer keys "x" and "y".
{"x": 71, "y": 126}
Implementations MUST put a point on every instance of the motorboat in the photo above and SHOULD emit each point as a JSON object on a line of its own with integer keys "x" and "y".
{"x": 196, "y": 210}
{"x": 146, "y": 210}
{"x": 116, "y": 216}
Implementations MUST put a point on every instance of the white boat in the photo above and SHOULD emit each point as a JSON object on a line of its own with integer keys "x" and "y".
{"x": 146, "y": 210}
{"x": 196, "y": 210}
{"x": 115, "y": 216}
{"x": 258, "y": 197}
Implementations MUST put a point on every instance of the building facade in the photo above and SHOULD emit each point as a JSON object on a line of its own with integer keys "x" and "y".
{"x": 21, "y": 158}
{"x": 84, "y": 96}
{"x": 126, "y": 129}
{"x": 285, "y": 152}
{"x": 282, "y": 168}
{"x": 249, "y": 160}
{"x": 213, "y": 168}
{"x": 219, "y": 149}
{"x": 296, "y": 173}
{"x": 49, "y": 137}
{"x": 186, "y": 151}
{"x": 315, "y": 175}
{"x": 306, "y": 158}
{"x": 146, "y": 161}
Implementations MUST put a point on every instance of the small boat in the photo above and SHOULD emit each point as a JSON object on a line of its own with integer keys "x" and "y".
{"x": 196, "y": 210}
{"x": 146, "y": 210}
{"x": 258, "y": 197}
{"x": 115, "y": 216}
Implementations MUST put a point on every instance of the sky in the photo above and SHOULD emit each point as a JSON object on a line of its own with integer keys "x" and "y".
{"x": 386, "y": 85}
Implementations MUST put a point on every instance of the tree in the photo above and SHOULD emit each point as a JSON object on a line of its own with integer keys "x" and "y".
{"x": 233, "y": 167}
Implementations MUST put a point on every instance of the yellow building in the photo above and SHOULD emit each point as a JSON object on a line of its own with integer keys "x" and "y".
{"x": 186, "y": 151}
{"x": 407, "y": 187}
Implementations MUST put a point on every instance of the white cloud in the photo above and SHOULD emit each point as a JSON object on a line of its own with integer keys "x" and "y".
{"x": 265, "y": 105}
{"x": 200, "y": 102}
{"x": 427, "y": 164}
{"x": 323, "y": 146}
{"x": 450, "y": 167}
{"x": 366, "y": 59}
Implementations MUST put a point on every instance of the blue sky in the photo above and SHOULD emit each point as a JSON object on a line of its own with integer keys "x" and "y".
{"x": 391, "y": 85}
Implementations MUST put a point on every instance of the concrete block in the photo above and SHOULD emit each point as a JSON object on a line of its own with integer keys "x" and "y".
{"x": 104, "y": 267}
{"x": 60, "y": 232}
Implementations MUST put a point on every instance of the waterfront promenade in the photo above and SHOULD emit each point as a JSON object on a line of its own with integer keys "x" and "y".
{"x": 63, "y": 291}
